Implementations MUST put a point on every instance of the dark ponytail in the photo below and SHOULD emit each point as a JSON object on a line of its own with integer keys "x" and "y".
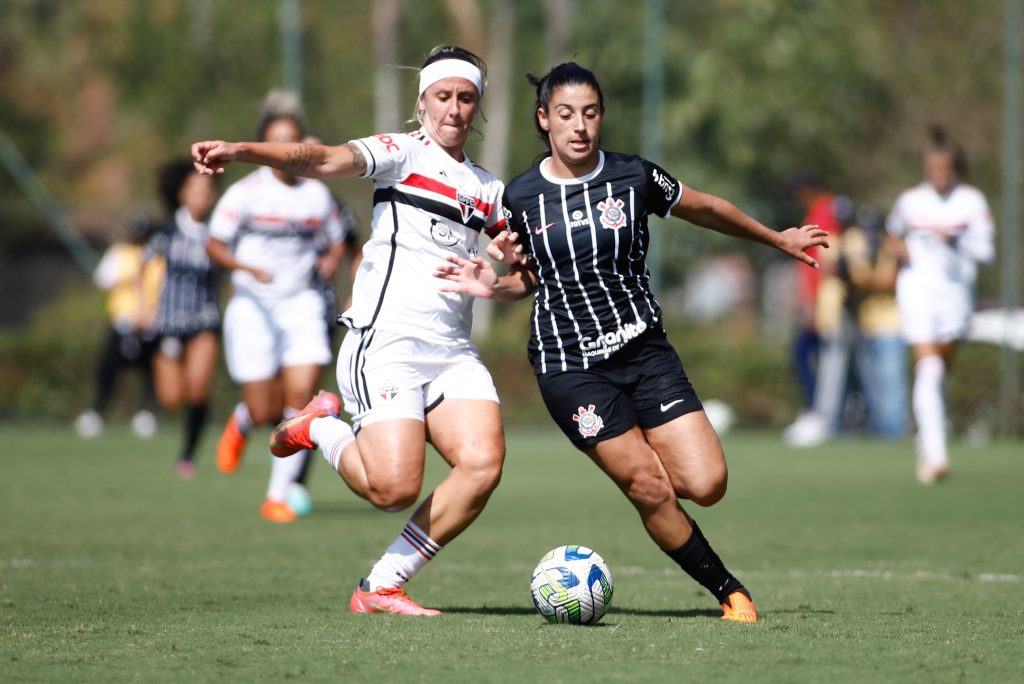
{"x": 565, "y": 74}
{"x": 940, "y": 142}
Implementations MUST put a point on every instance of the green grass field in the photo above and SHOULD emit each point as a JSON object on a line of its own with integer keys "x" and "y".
{"x": 113, "y": 569}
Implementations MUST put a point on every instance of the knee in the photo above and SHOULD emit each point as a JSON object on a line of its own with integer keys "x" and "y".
{"x": 395, "y": 498}
{"x": 484, "y": 474}
{"x": 649, "y": 491}
{"x": 709, "y": 488}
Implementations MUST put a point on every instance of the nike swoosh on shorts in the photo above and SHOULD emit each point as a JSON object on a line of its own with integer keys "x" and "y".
{"x": 666, "y": 407}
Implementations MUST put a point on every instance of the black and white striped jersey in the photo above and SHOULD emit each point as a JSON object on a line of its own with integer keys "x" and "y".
{"x": 587, "y": 239}
{"x": 188, "y": 301}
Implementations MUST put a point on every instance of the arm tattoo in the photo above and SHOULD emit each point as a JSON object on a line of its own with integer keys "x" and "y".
{"x": 358, "y": 160}
{"x": 300, "y": 161}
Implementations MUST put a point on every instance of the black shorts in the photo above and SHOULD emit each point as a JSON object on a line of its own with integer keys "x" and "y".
{"x": 643, "y": 384}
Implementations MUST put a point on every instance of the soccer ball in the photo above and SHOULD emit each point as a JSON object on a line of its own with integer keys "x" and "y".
{"x": 572, "y": 584}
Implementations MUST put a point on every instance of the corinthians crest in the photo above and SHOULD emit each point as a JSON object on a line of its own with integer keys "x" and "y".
{"x": 612, "y": 215}
{"x": 589, "y": 422}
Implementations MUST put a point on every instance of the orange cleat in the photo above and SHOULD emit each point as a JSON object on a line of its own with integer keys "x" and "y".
{"x": 739, "y": 608}
{"x": 391, "y": 600}
{"x": 230, "y": 447}
{"x": 277, "y": 511}
{"x": 292, "y": 435}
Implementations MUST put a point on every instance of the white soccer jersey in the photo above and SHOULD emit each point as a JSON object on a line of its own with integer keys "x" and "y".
{"x": 946, "y": 235}
{"x": 427, "y": 206}
{"x": 274, "y": 226}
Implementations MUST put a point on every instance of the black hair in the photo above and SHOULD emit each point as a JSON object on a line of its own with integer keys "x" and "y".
{"x": 171, "y": 177}
{"x": 940, "y": 142}
{"x": 452, "y": 52}
{"x": 280, "y": 105}
{"x": 565, "y": 74}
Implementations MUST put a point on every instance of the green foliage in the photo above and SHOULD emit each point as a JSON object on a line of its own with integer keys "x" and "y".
{"x": 115, "y": 570}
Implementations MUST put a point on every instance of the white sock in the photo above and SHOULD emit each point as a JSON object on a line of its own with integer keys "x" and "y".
{"x": 243, "y": 419}
{"x": 930, "y": 409}
{"x": 406, "y": 556}
{"x": 283, "y": 471}
{"x": 332, "y": 435}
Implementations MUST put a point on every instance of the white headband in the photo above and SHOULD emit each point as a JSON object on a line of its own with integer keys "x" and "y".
{"x": 449, "y": 68}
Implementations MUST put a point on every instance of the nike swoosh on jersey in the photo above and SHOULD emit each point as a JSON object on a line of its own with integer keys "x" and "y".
{"x": 538, "y": 230}
{"x": 666, "y": 407}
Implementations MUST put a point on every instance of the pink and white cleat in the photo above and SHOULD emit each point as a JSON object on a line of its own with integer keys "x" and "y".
{"x": 386, "y": 600}
{"x": 292, "y": 435}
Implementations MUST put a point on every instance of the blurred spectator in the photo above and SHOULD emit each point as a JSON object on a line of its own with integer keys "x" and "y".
{"x": 808, "y": 189}
{"x": 856, "y": 318}
{"x": 881, "y": 355}
{"x": 133, "y": 283}
{"x": 941, "y": 229}
{"x": 189, "y": 318}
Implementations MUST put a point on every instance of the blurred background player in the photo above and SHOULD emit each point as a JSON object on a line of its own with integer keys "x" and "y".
{"x": 942, "y": 229}
{"x": 266, "y": 230}
{"x": 132, "y": 282}
{"x": 298, "y": 495}
{"x": 188, "y": 320}
{"x": 407, "y": 368}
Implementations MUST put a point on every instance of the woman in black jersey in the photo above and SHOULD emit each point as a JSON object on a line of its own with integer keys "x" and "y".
{"x": 189, "y": 318}
{"x": 607, "y": 373}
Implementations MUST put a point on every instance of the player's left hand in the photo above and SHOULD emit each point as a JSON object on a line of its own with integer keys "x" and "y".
{"x": 505, "y": 250}
{"x": 474, "y": 276}
{"x": 796, "y": 241}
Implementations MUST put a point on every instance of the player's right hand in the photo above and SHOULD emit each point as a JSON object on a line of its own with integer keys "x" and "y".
{"x": 211, "y": 156}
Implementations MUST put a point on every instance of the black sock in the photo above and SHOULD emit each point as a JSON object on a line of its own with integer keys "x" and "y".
{"x": 195, "y": 419}
{"x": 699, "y": 561}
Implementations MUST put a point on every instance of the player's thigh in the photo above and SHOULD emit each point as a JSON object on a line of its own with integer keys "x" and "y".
{"x": 692, "y": 455}
{"x": 200, "y": 362}
{"x": 168, "y": 375}
{"x": 393, "y": 453}
{"x": 634, "y": 467}
{"x": 468, "y": 433}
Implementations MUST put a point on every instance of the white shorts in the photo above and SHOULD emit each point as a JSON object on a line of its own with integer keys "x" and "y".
{"x": 384, "y": 375}
{"x": 932, "y": 311}
{"x": 263, "y": 336}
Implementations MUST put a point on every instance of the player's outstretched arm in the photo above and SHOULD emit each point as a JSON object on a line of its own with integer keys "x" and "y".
{"x": 476, "y": 276}
{"x": 715, "y": 213}
{"x": 308, "y": 160}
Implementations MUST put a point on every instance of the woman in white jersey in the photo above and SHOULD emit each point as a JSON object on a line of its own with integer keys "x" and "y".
{"x": 266, "y": 231}
{"x": 942, "y": 229}
{"x": 606, "y": 371}
{"x": 407, "y": 368}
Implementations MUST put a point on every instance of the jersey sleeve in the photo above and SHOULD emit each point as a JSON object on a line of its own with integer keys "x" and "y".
{"x": 896, "y": 221}
{"x": 978, "y": 241}
{"x": 495, "y": 220}
{"x": 663, "y": 190}
{"x": 515, "y": 224}
{"x": 228, "y": 215}
{"x": 388, "y": 155}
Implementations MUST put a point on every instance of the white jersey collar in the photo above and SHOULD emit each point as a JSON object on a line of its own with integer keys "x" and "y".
{"x": 543, "y": 166}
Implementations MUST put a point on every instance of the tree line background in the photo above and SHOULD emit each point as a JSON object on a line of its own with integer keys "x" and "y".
{"x": 96, "y": 94}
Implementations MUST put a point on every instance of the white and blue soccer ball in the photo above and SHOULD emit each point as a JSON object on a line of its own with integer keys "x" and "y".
{"x": 572, "y": 585}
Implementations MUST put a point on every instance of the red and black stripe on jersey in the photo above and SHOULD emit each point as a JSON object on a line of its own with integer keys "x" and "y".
{"x": 588, "y": 240}
{"x": 434, "y": 197}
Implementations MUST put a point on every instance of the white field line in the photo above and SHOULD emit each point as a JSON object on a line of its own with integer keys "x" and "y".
{"x": 635, "y": 570}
